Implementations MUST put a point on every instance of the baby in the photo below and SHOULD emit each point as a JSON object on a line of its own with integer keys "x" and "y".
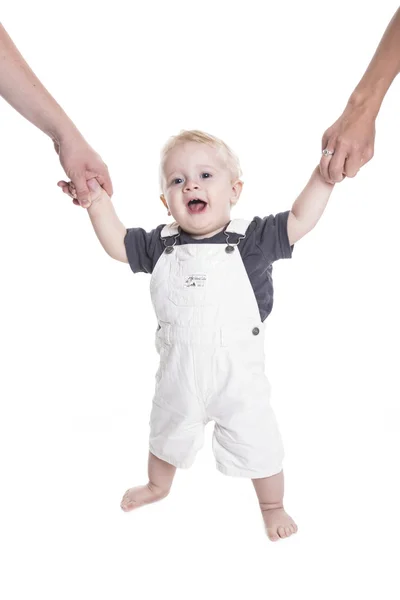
{"x": 211, "y": 289}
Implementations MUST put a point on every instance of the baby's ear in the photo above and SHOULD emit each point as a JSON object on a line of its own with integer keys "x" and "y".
{"x": 236, "y": 191}
{"x": 163, "y": 200}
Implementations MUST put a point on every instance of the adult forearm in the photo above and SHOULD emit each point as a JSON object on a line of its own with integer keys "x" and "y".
{"x": 108, "y": 228}
{"x": 381, "y": 71}
{"x": 20, "y": 87}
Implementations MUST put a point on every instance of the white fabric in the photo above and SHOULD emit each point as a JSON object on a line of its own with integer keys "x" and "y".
{"x": 236, "y": 225}
{"x": 211, "y": 363}
{"x": 170, "y": 229}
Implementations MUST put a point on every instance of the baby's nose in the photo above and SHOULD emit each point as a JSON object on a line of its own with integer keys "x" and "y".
{"x": 191, "y": 185}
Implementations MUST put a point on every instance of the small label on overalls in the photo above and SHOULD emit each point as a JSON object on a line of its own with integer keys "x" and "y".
{"x": 196, "y": 280}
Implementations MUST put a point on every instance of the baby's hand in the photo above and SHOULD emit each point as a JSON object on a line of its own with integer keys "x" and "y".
{"x": 96, "y": 191}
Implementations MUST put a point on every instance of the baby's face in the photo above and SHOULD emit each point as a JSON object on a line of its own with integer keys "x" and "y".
{"x": 198, "y": 188}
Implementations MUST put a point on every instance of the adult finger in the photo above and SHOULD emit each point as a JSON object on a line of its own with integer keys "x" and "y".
{"x": 326, "y": 138}
{"x": 82, "y": 190}
{"x": 336, "y": 165}
{"x": 353, "y": 164}
{"x": 367, "y": 153}
{"x": 104, "y": 180}
{"x": 328, "y": 143}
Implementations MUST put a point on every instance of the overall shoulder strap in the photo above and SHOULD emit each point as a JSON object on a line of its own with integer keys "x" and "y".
{"x": 170, "y": 230}
{"x": 238, "y": 226}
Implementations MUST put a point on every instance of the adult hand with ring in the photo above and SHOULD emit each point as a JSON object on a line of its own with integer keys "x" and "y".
{"x": 352, "y": 137}
{"x": 347, "y": 145}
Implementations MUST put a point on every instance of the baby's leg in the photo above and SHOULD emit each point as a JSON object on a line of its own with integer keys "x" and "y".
{"x": 161, "y": 475}
{"x": 269, "y": 491}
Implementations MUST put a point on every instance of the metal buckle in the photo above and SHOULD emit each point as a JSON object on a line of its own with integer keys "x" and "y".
{"x": 170, "y": 247}
{"x": 231, "y": 246}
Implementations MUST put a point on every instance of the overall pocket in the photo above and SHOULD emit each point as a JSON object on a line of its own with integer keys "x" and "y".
{"x": 188, "y": 289}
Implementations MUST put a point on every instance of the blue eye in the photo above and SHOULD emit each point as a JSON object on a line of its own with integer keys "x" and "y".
{"x": 177, "y": 180}
{"x": 208, "y": 175}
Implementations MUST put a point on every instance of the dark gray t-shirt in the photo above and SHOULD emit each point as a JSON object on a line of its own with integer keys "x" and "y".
{"x": 266, "y": 241}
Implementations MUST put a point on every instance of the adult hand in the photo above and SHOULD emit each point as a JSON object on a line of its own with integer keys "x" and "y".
{"x": 81, "y": 162}
{"x": 351, "y": 139}
{"x": 97, "y": 192}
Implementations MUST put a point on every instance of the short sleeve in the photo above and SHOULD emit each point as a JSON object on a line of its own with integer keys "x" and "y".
{"x": 143, "y": 248}
{"x": 271, "y": 236}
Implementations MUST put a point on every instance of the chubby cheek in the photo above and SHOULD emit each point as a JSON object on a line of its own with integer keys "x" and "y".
{"x": 178, "y": 210}
{"x": 222, "y": 204}
{"x": 175, "y": 205}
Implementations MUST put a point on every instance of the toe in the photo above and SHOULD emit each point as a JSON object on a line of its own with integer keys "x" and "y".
{"x": 281, "y": 532}
{"x": 272, "y": 535}
{"x": 288, "y": 531}
{"x": 126, "y": 504}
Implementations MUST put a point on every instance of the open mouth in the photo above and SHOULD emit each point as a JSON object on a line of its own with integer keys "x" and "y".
{"x": 196, "y": 206}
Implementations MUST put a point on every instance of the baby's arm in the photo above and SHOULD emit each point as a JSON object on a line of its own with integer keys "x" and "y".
{"x": 309, "y": 206}
{"x": 107, "y": 226}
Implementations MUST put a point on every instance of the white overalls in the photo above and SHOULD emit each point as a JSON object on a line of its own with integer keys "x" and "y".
{"x": 211, "y": 345}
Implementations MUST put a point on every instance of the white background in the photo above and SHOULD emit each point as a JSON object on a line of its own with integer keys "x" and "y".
{"x": 77, "y": 328}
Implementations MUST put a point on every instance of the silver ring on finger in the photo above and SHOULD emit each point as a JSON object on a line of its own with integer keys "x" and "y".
{"x": 326, "y": 152}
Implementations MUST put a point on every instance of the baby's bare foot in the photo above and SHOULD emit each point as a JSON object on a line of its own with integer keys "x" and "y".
{"x": 278, "y": 524}
{"x": 141, "y": 495}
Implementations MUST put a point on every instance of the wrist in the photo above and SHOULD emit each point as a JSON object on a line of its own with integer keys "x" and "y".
{"x": 319, "y": 179}
{"x": 64, "y": 131}
{"x": 366, "y": 102}
{"x": 98, "y": 203}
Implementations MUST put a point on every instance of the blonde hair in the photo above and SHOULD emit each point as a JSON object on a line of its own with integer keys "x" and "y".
{"x": 195, "y": 135}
